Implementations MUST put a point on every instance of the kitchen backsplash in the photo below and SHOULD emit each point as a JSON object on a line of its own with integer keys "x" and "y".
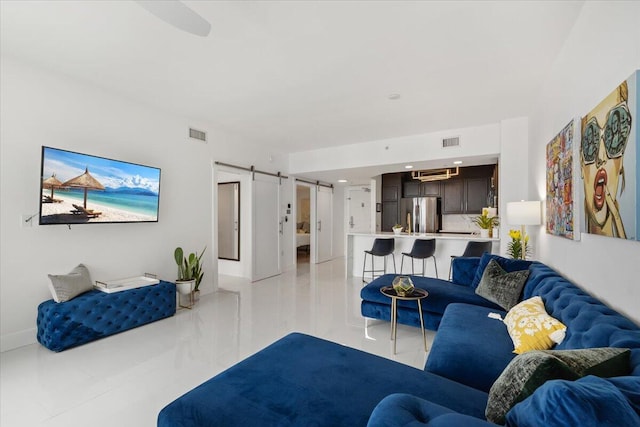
{"x": 460, "y": 223}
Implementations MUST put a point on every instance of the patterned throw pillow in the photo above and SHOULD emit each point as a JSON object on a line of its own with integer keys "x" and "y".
{"x": 530, "y": 370}
{"x": 501, "y": 287}
{"x": 64, "y": 287}
{"x": 507, "y": 264}
{"x": 531, "y": 328}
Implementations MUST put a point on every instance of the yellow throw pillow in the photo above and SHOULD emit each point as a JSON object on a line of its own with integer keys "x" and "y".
{"x": 531, "y": 328}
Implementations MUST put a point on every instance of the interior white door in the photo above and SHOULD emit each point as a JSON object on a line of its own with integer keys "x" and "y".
{"x": 266, "y": 227}
{"x": 359, "y": 210}
{"x": 324, "y": 223}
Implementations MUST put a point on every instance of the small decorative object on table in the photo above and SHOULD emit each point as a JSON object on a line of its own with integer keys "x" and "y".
{"x": 397, "y": 229}
{"x": 125, "y": 284}
{"x": 403, "y": 285}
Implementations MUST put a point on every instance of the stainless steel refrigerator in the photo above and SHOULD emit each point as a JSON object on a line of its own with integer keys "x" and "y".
{"x": 426, "y": 216}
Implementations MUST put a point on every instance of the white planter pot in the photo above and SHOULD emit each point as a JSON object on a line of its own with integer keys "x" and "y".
{"x": 484, "y": 232}
{"x": 185, "y": 286}
{"x": 397, "y": 230}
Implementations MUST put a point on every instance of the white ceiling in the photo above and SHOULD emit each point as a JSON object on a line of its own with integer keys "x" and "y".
{"x": 303, "y": 75}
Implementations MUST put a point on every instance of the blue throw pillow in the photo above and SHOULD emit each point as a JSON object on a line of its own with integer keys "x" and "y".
{"x": 405, "y": 410}
{"x": 589, "y": 401}
{"x": 507, "y": 264}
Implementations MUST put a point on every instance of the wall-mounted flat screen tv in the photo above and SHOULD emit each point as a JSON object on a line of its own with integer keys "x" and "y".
{"x": 79, "y": 188}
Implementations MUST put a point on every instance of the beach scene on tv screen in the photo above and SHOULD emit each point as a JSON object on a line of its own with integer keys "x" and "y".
{"x": 78, "y": 188}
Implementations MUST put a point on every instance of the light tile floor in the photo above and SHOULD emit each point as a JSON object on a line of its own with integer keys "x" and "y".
{"x": 126, "y": 379}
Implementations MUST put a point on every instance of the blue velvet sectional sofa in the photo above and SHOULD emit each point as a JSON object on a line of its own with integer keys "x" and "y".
{"x": 442, "y": 293}
{"x": 304, "y": 381}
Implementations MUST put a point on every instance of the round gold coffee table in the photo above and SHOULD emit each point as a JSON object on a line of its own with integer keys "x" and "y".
{"x": 415, "y": 295}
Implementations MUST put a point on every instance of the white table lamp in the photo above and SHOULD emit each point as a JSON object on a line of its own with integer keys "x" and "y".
{"x": 524, "y": 213}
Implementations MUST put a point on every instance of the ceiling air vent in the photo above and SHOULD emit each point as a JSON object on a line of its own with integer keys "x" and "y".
{"x": 451, "y": 142}
{"x": 198, "y": 134}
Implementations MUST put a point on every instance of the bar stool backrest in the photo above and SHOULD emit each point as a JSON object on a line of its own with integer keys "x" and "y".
{"x": 423, "y": 248}
{"x": 476, "y": 249}
{"x": 383, "y": 247}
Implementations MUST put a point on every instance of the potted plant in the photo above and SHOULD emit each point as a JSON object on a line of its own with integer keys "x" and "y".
{"x": 198, "y": 274}
{"x": 189, "y": 271}
{"x": 397, "y": 228}
{"x": 185, "y": 281}
{"x": 486, "y": 223}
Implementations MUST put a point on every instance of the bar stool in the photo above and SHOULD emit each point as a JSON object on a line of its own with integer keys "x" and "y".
{"x": 473, "y": 249}
{"x": 381, "y": 247}
{"x": 422, "y": 249}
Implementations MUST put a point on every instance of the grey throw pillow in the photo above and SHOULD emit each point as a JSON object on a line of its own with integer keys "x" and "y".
{"x": 530, "y": 370}
{"x": 64, "y": 287}
{"x": 501, "y": 287}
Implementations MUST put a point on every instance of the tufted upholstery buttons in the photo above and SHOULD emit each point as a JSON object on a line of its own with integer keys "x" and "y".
{"x": 590, "y": 323}
{"x": 96, "y": 314}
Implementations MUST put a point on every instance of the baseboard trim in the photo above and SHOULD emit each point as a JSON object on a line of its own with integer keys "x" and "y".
{"x": 17, "y": 339}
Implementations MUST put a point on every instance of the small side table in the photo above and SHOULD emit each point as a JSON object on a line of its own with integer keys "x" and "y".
{"x": 416, "y": 295}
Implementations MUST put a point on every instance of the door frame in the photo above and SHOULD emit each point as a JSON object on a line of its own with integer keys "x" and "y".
{"x": 312, "y": 220}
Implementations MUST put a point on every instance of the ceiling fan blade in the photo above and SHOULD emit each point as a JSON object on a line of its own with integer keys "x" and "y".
{"x": 177, "y": 14}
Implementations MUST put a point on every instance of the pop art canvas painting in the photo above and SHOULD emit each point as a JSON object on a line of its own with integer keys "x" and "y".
{"x": 609, "y": 164}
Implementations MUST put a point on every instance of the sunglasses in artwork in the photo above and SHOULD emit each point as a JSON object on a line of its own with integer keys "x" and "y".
{"x": 615, "y": 134}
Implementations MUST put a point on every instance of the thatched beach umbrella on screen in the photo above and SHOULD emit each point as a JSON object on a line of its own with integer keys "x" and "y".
{"x": 85, "y": 181}
{"x": 51, "y": 183}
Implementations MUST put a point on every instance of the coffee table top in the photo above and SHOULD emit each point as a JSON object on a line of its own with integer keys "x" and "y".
{"x": 415, "y": 294}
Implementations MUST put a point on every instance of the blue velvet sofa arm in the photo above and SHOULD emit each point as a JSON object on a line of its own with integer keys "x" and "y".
{"x": 464, "y": 270}
{"x": 406, "y": 410}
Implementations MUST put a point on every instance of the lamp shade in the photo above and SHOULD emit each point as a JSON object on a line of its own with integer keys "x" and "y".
{"x": 524, "y": 213}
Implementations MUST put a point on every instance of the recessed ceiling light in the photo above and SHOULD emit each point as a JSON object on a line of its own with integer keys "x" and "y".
{"x": 457, "y": 162}
{"x": 342, "y": 180}
{"x": 408, "y": 167}
{"x": 393, "y": 96}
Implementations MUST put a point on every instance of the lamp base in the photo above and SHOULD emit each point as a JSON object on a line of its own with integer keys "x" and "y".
{"x": 523, "y": 251}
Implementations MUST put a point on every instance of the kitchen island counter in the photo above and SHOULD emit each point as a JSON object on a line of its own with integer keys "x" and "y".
{"x": 447, "y": 244}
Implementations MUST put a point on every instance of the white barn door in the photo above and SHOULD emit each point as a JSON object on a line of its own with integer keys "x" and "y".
{"x": 324, "y": 224}
{"x": 266, "y": 227}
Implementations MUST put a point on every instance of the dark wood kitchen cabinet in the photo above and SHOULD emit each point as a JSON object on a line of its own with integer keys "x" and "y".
{"x": 465, "y": 196}
{"x": 476, "y": 191}
{"x": 391, "y": 194}
{"x": 421, "y": 189}
{"x": 453, "y": 196}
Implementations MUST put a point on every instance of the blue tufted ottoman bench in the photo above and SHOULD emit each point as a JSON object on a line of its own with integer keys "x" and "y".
{"x": 96, "y": 314}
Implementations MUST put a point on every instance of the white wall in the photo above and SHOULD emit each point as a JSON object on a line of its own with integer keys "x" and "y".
{"x": 513, "y": 175}
{"x": 602, "y": 50}
{"x": 287, "y": 201}
{"x": 39, "y": 108}
{"x": 338, "y": 237}
{"x": 474, "y": 141}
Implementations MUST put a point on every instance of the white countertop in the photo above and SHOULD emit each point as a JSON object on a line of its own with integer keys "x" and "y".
{"x": 443, "y": 236}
